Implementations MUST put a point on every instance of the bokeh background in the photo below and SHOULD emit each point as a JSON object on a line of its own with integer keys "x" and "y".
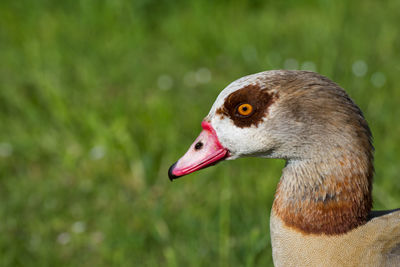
{"x": 98, "y": 98}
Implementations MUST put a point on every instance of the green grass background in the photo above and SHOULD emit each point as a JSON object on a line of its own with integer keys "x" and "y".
{"x": 98, "y": 98}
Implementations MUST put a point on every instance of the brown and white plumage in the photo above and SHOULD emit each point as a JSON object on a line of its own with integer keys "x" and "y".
{"x": 374, "y": 243}
{"x": 321, "y": 214}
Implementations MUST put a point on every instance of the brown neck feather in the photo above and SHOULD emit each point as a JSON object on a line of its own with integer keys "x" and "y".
{"x": 325, "y": 197}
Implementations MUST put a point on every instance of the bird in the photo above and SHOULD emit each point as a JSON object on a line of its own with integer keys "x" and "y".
{"x": 321, "y": 213}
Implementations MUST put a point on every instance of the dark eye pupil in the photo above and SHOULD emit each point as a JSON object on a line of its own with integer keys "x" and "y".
{"x": 244, "y": 108}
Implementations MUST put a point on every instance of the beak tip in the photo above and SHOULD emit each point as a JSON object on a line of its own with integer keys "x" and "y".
{"x": 170, "y": 174}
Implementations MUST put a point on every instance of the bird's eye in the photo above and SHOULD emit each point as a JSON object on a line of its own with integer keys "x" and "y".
{"x": 245, "y": 109}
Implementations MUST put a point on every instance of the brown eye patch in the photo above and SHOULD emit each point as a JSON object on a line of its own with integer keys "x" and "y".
{"x": 252, "y": 95}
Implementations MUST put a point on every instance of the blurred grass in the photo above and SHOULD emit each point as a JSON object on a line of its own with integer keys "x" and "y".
{"x": 98, "y": 98}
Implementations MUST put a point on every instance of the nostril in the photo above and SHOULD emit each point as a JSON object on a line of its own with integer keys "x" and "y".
{"x": 198, "y": 145}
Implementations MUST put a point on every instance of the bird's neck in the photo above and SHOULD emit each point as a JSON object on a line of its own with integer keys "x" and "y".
{"x": 325, "y": 195}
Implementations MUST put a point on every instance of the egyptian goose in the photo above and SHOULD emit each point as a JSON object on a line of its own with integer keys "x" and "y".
{"x": 321, "y": 215}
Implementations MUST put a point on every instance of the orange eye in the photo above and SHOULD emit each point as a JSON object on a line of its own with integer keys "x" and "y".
{"x": 245, "y": 109}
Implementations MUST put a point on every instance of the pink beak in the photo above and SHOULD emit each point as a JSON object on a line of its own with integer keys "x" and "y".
{"x": 205, "y": 151}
